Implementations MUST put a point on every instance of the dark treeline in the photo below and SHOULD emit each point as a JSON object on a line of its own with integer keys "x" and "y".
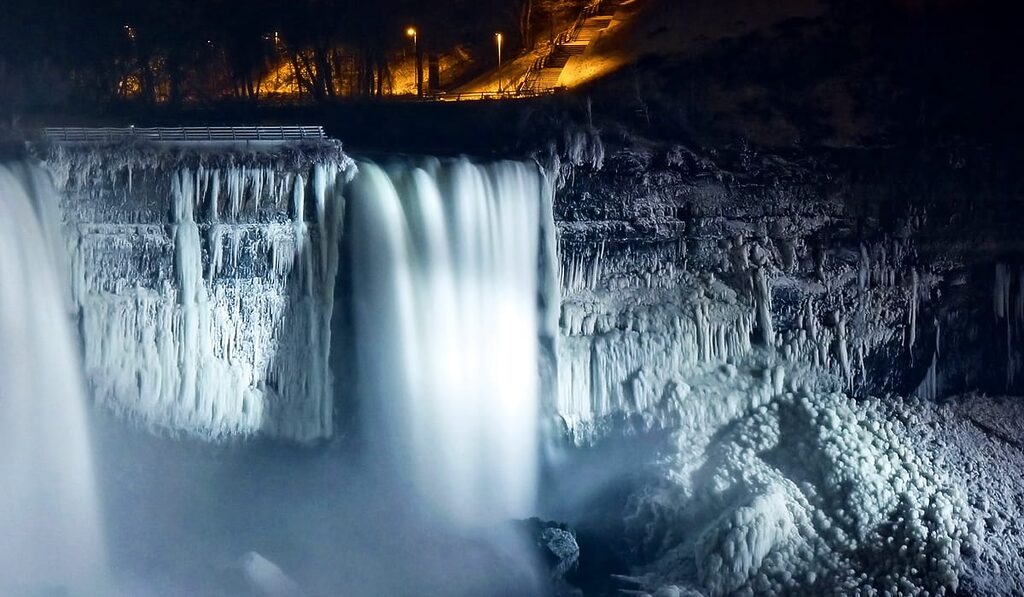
{"x": 59, "y": 52}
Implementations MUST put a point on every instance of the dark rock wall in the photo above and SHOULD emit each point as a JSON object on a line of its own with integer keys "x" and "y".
{"x": 880, "y": 266}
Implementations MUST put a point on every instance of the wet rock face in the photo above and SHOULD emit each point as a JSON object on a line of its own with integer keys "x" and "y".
{"x": 557, "y": 549}
{"x": 893, "y": 269}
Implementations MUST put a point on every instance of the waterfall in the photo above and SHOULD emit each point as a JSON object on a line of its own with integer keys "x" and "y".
{"x": 50, "y": 536}
{"x": 444, "y": 275}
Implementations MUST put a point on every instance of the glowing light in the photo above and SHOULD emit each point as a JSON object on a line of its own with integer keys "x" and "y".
{"x": 498, "y": 37}
{"x": 129, "y": 86}
{"x": 411, "y": 32}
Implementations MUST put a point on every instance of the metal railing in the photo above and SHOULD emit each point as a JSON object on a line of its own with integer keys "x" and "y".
{"x": 529, "y": 79}
{"x": 511, "y": 93}
{"x": 570, "y": 34}
{"x": 188, "y": 133}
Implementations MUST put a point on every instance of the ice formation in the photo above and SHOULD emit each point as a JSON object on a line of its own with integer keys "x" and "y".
{"x": 627, "y": 343}
{"x": 206, "y": 287}
{"x": 753, "y": 351}
{"x": 50, "y": 537}
{"x": 777, "y": 481}
{"x": 445, "y": 289}
{"x": 813, "y": 494}
{"x": 742, "y": 343}
{"x": 639, "y": 318}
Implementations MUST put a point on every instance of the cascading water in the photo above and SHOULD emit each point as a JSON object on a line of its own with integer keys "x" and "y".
{"x": 444, "y": 268}
{"x": 50, "y": 535}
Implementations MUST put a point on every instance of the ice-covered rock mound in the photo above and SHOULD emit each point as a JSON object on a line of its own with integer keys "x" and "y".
{"x": 808, "y": 494}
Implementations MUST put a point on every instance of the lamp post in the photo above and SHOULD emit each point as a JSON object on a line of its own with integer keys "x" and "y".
{"x": 497, "y": 37}
{"x": 411, "y": 32}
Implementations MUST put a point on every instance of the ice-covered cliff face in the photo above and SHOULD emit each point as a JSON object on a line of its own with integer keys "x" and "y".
{"x": 788, "y": 328}
{"x": 226, "y": 294}
{"x": 876, "y": 271}
{"x": 212, "y": 284}
{"x": 747, "y": 311}
{"x": 205, "y": 282}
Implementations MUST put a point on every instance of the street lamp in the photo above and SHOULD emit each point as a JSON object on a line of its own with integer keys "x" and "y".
{"x": 497, "y": 37}
{"x": 411, "y": 32}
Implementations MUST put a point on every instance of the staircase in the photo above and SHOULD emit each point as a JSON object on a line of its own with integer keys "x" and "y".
{"x": 594, "y": 25}
{"x": 560, "y": 56}
{"x": 544, "y": 74}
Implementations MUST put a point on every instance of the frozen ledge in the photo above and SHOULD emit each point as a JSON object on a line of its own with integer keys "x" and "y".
{"x": 188, "y": 135}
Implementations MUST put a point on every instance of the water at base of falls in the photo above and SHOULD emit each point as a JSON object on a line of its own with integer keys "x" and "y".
{"x": 444, "y": 270}
{"x": 50, "y": 540}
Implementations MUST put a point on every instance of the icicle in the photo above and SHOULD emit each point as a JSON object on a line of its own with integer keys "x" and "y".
{"x": 842, "y": 351}
{"x": 235, "y": 192}
{"x": 551, "y": 281}
{"x": 236, "y": 244}
{"x": 928, "y": 389}
{"x": 1018, "y": 304}
{"x": 213, "y": 213}
{"x": 1001, "y": 294}
{"x": 215, "y": 244}
{"x": 595, "y": 272}
{"x": 912, "y": 323}
{"x": 1010, "y": 313}
{"x": 864, "y": 268}
{"x": 763, "y": 300}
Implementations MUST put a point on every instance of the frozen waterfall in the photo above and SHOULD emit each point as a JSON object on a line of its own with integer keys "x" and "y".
{"x": 444, "y": 267}
{"x": 205, "y": 286}
{"x": 50, "y": 538}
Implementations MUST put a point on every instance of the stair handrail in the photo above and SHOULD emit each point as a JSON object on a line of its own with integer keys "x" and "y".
{"x": 568, "y": 36}
{"x": 533, "y": 73}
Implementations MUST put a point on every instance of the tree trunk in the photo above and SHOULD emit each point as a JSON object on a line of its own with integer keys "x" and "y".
{"x": 526, "y": 25}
